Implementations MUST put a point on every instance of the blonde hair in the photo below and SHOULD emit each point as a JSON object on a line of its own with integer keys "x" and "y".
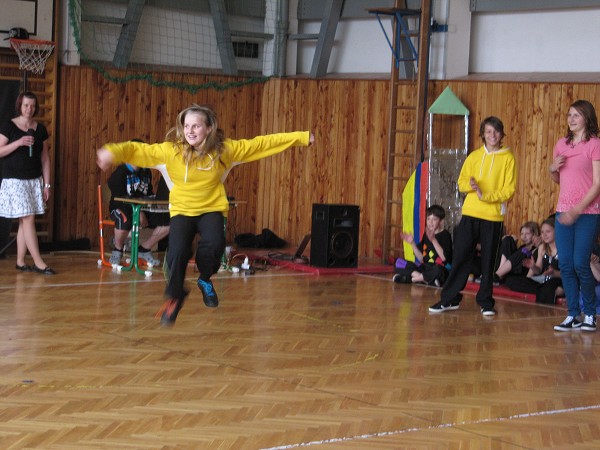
{"x": 213, "y": 144}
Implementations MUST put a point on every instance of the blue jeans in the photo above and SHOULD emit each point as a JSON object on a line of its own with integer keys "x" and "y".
{"x": 574, "y": 243}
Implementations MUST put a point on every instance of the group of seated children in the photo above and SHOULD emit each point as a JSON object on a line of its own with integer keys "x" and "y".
{"x": 531, "y": 267}
{"x": 542, "y": 276}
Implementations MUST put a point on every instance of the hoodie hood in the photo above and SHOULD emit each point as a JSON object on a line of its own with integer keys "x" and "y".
{"x": 487, "y": 153}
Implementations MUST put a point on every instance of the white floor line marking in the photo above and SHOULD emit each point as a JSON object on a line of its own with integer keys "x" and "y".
{"x": 162, "y": 280}
{"x": 444, "y": 425}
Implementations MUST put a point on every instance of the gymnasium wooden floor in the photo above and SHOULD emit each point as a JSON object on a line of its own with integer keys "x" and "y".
{"x": 289, "y": 360}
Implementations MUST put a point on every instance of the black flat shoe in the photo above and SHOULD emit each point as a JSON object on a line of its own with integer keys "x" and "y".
{"x": 23, "y": 268}
{"x": 45, "y": 271}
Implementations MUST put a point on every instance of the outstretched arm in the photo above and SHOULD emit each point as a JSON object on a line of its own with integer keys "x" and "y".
{"x": 247, "y": 150}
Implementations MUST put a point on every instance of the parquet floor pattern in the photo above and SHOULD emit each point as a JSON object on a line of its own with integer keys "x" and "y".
{"x": 288, "y": 360}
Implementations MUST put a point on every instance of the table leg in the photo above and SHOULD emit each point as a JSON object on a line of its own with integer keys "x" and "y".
{"x": 135, "y": 237}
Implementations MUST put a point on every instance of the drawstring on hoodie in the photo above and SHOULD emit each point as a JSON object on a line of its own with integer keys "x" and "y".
{"x": 483, "y": 161}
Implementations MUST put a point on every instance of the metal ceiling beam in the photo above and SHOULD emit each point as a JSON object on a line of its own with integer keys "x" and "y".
{"x": 245, "y": 8}
{"x": 128, "y": 33}
{"x": 223, "y": 33}
{"x": 331, "y": 17}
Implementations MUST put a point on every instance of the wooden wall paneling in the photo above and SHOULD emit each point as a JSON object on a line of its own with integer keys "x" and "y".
{"x": 347, "y": 164}
{"x": 544, "y": 121}
{"x": 375, "y": 214}
{"x": 345, "y": 147}
{"x": 255, "y": 203}
{"x": 514, "y": 139}
{"x": 324, "y": 124}
{"x": 277, "y": 187}
{"x": 283, "y": 177}
{"x": 307, "y": 158}
{"x": 353, "y": 137}
{"x": 366, "y": 155}
{"x": 238, "y": 184}
{"x": 72, "y": 124}
{"x": 299, "y": 206}
{"x": 334, "y": 151}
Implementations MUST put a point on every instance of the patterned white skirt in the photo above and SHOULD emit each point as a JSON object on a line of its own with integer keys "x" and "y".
{"x": 20, "y": 198}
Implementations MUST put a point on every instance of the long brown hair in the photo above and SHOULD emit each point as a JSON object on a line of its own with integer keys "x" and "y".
{"x": 550, "y": 222}
{"x": 213, "y": 143}
{"x": 587, "y": 111}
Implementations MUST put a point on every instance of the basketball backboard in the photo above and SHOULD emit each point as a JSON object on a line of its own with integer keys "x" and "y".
{"x": 34, "y": 15}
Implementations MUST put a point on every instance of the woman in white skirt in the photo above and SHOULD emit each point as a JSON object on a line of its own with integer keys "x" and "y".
{"x": 25, "y": 185}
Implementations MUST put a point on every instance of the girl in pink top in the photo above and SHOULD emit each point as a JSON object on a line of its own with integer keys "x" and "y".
{"x": 576, "y": 168}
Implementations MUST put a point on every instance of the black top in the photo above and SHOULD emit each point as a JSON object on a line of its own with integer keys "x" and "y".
{"x": 427, "y": 249}
{"x": 19, "y": 164}
{"x": 549, "y": 261}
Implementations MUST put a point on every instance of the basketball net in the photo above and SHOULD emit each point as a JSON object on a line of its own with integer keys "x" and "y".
{"x": 32, "y": 54}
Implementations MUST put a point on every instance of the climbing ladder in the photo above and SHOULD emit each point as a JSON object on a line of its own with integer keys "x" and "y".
{"x": 408, "y": 104}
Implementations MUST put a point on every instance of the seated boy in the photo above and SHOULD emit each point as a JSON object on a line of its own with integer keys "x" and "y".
{"x": 433, "y": 253}
{"x": 132, "y": 181}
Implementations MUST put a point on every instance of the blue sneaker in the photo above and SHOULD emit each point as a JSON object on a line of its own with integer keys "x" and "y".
{"x": 208, "y": 293}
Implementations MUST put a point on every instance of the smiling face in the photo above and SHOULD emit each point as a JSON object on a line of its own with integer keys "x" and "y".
{"x": 576, "y": 122}
{"x": 547, "y": 233}
{"x": 196, "y": 128}
{"x": 492, "y": 137}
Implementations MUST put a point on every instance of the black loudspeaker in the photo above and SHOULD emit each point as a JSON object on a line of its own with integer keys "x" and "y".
{"x": 334, "y": 235}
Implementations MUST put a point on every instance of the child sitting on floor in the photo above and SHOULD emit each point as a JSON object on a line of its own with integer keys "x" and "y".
{"x": 433, "y": 254}
{"x": 543, "y": 278}
{"x": 511, "y": 259}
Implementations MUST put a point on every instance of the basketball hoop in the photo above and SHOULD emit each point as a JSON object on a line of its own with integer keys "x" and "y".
{"x": 32, "y": 53}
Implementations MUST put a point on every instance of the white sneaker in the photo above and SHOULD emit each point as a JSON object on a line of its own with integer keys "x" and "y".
{"x": 589, "y": 323}
{"x": 569, "y": 324}
{"x": 488, "y": 311}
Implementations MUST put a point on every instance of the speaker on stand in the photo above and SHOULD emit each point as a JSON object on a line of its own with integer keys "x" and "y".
{"x": 334, "y": 235}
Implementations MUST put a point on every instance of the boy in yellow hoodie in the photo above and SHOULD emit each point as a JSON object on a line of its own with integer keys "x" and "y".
{"x": 488, "y": 178}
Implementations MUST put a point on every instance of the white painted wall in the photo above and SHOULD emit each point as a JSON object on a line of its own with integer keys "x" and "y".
{"x": 549, "y": 41}
{"x": 361, "y": 46}
{"x": 36, "y": 18}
